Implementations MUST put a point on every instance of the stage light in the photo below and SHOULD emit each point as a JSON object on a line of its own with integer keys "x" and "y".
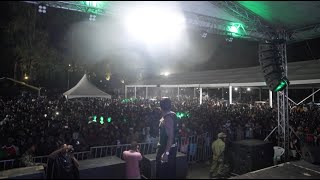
{"x": 92, "y": 17}
{"x": 94, "y": 118}
{"x": 236, "y": 29}
{"x": 42, "y": 9}
{"x": 282, "y": 84}
{"x": 236, "y": 89}
{"x": 204, "y": 35}
{"x": 101, "y": 120}
{"x": 57, "y": 113}
{"x": 69, "y": 65}
{"x": 165, "y": 74}
{"x": 109, "y": 119}
{"x": 26, "y": 77}
{"x": 122, "y": 81}
{"x": 248, "y": 89}
{"x": 155, "y": 25}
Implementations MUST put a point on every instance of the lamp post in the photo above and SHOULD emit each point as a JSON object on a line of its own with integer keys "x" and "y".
{"x": 68, "y": 76}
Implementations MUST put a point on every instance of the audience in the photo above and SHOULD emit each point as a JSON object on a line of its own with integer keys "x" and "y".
{"x": 86, "y": 122}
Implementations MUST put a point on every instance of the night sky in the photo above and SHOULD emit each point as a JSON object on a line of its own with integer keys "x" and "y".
{"x": 219, "y": 54}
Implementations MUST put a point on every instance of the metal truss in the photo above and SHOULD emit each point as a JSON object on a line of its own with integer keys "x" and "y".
{"x": 203, "y": 23}
{"x": 308, "y": 32}
{"x": 283, "y": 104}
{"x": 254, "y": 23}
{"x": 69, "y": 5}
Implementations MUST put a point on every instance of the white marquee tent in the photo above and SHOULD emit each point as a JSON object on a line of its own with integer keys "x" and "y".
{"x": 85, "y": 89}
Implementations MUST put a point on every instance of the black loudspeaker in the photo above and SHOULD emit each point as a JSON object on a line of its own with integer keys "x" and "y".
{"x": 251, "y": 155}
{"x": 311, "y": 154}
{"x": 270, "y": 59}
{"x": 148, "y": 166}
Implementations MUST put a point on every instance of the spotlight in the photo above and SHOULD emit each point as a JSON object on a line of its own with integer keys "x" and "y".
{"x": 229, "y": 39}
{"x": 26, "y": 77}
{"x": 236, "y": 89}
{"x": 69, "y": 65}
{"x": 92, "y": 17}
{"x": 42, "y": 9}
{"x": 204, "y": 35}
{"x": 248, "y": 89}
{"x": 57, "y": 113}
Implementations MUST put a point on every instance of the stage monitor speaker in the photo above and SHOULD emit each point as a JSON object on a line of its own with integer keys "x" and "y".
{"x": 149, "y": 166}
{"x": 251, "y": 155}
{"x": 311, "y": 154}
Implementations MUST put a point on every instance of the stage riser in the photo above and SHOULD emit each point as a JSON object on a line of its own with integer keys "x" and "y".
{"x": 149, "y": 166}
{"x": 35, "y": 172}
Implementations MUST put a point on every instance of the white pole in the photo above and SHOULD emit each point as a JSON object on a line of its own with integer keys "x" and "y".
{"x": 230, "y": 94}
{"x": 270, "y": 98}
{"x": 125, "y": 91}
{"x": 146, "y": 92}
{"x": 200, "y": 95}
{"x": 313, "y": 95}
{"x": 135, "y": 92}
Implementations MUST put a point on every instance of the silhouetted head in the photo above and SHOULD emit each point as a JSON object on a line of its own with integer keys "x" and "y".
{"x": 165, "y": 104}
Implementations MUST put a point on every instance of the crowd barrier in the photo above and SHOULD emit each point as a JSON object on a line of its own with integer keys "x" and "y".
{"x": 197, "y": 148}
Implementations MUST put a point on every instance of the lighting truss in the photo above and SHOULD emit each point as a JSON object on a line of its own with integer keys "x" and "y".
{"x": 255, "y": 24}
{"x": 283, "y": 107}
{"x": 308, "y": 32}
{"x": 203, "y": 23}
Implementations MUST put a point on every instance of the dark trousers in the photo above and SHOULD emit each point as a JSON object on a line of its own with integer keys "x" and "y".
{"x": 166, "y": 170}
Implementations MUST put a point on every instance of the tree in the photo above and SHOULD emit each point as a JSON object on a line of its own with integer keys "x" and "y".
{"x": 33, "y": 54}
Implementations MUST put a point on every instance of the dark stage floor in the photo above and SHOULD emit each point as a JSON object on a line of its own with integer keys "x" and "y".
{"x": 291, "y": 170}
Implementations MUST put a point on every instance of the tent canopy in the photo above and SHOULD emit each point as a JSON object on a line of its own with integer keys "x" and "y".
{"x": 85, "y": 89}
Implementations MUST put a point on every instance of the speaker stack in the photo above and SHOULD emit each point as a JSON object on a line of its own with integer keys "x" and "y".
{"x": 251, "y": 155}
{"x": 270, "y": 58}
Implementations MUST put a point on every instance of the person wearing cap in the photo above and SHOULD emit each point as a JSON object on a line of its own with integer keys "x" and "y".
{"x": 167, "y": 149}
{"x": 218, "y": 168}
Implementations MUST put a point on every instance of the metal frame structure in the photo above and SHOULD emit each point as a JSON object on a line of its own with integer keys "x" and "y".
{"x": 256, "y": 24}
{"x": 283, "y": 105}
{"x": 200, "y": 22}
{"x": 256, "y": 29}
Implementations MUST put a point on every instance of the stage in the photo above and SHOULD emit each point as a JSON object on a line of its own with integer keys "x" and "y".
{"x": 290, "y": 170}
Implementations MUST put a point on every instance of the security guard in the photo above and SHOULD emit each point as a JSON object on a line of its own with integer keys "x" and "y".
{"x": 219, "y": 168}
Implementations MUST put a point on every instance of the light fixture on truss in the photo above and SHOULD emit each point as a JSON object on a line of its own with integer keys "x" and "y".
{"x": 92, "y": 17}
{"x": 204, "y": 34}
{"x": 42, "y": 9}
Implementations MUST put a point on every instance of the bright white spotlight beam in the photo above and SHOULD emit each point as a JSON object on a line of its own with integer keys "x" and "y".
{"x": 155, "y": 25}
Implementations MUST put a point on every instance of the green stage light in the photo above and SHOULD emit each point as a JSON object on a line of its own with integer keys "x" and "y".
{"x": 101, "y": 120}
{"x": 109, "y": 119}
{"x": 94, "y": 118}
{"x": 283, "y": 84}
{"x": 181, "y": 115}
{"x": 235, "y": 29}
{"x": 95, "y": 4}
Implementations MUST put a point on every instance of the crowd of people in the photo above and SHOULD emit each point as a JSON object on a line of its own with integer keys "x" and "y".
{"x": 48, "y": 122}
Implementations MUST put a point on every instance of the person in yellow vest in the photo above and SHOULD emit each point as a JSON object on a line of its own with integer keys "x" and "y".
{"x": 219, "y": 168}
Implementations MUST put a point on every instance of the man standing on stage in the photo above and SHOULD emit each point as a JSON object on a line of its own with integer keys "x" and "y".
{"x": 132, "y": 158}
{"x": 167, "y": 150}
{"x": 219, "y": 167}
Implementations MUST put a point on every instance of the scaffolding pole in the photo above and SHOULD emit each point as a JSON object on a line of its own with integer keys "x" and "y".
{"x": 283, "y": 113}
